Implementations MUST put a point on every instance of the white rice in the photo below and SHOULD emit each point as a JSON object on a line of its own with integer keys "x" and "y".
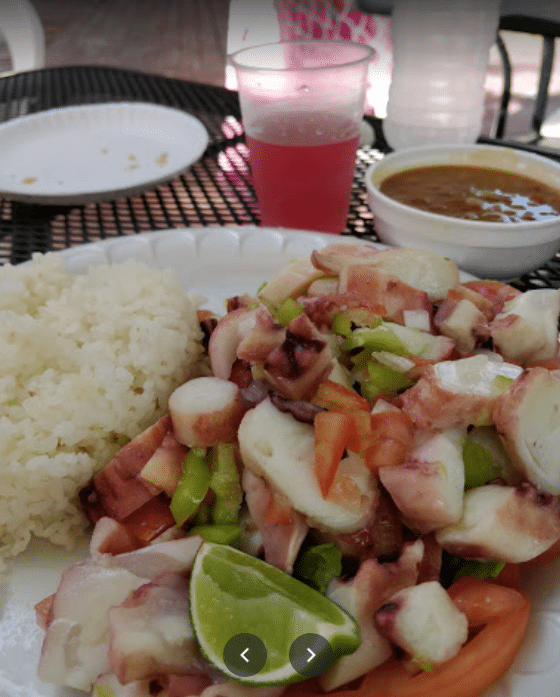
{"x": 86, "y": 363}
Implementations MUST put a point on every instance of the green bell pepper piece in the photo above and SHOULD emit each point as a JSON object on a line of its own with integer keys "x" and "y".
{"x": 475, "y": 568}
{"x": 288, "y": 310}
{"x": 219, "y": 534}
{"x": 193, "y": 486}
{"x": 319, "y": 565}
{"x": 384, "y": 380}
{"x": 378, "y": 339}
{"x": 226, "y": 485}
{"x": 479, "y": 465}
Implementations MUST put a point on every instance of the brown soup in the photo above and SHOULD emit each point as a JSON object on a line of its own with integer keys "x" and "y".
{"x": 474, "y": 193}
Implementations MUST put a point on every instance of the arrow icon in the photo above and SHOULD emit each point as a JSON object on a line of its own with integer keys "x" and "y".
{"x": 244, "y": 654}
{"x": 311, "y": 662}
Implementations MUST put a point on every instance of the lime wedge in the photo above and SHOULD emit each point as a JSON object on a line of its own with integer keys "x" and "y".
{"x": 234, "y": 594}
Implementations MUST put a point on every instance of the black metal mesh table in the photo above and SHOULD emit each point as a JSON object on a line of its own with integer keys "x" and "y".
{"x": 217, "y": 190}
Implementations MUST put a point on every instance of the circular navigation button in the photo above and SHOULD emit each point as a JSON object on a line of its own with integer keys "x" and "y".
{"x": 244, "y": 655}
{"x": 311, "y": 655}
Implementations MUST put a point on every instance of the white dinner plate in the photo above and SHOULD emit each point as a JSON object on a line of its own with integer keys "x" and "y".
{"x": 222, "y": 262}
{"x": 80, "y": 154}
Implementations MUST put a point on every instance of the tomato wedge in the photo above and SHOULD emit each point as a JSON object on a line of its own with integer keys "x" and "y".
{"x": 362, "y": 433}
{"x": 334, "y": 397}
{"x": 485, "y": 601}
{"x": 479, "y": 664}
{"x": 332, "y": 430}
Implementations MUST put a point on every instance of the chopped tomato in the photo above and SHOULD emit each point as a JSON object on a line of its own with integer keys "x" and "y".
{"x": 485, "y": 601}
{"x": 382, "y": 439}
{"x": 150, "y": 520}
{"x": 335, "y": 397}
{"x": 393, "y": 433}
{"x": 385, "y": 452}
{"x": 393, "y": 424}
{"x": 362, "y": 432}
{"x": 332, "y": 431}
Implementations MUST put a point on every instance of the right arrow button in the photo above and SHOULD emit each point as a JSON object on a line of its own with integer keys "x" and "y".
{"x": 311, "y": 655}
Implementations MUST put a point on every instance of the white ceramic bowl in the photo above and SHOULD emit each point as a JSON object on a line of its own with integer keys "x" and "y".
{"x": 491, "y": 250}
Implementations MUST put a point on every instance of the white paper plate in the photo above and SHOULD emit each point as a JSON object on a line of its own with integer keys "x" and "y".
{"x": 91, "y": 153}
{"x": 222, "y": 262}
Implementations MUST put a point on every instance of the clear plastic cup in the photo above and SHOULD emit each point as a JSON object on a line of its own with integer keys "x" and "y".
{"x": 440, "y": 59}
{"x": 301, "y": 104}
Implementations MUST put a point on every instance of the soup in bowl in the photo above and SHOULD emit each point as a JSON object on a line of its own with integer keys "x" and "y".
{"x": 493, "y": 210}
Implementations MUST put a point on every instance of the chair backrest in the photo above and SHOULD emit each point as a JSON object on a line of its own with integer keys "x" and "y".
{"x": 22, "y": 30}
{"x": 548, "y": 27}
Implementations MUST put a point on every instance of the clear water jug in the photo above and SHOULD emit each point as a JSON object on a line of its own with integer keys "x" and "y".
{"x": 440, "y": 58}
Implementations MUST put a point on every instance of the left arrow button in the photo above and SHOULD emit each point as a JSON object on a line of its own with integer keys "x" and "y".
{"x": 244, "y": 655}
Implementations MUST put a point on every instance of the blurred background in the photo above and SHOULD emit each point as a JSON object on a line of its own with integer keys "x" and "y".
{"x": 189, "y": 39}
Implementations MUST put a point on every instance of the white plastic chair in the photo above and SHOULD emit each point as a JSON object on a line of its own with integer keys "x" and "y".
{"x": 249, "y": 24}
{"x": 252, "y": 23}
{"x": 22, "y": 30}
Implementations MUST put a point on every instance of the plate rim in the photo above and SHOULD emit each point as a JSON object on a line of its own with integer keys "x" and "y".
{"x": 198, "y": 130}
{"x": 241, "y": 231}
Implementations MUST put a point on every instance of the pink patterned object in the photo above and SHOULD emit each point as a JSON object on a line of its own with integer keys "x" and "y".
{"x": 340, "y": 19}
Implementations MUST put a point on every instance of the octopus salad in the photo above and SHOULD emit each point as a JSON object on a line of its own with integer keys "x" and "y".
{"x": 371, "y": 426}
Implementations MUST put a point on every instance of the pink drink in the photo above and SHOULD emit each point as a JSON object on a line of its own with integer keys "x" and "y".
{"x": 303, "y": 167}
